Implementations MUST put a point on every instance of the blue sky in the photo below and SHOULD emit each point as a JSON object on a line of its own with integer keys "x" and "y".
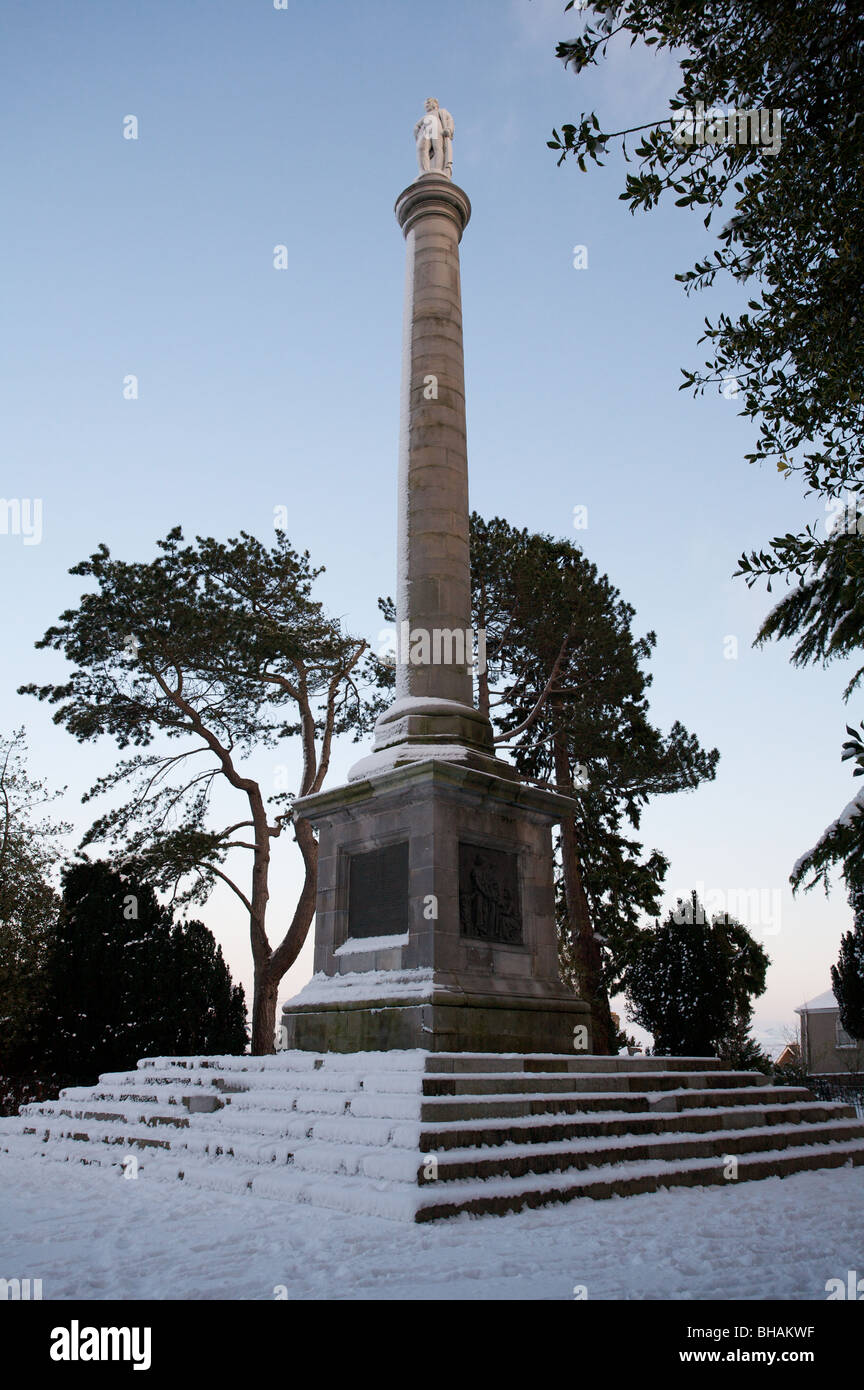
{"x": 261, "y": 388}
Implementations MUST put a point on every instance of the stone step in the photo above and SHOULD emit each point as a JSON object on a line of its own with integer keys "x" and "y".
{"x": 340, "y": 1192}
{"x": 509, "y": 1195}
{"x": 745, "y": 1095}
{"x": 537, "y": 1130}
{"x": 62, "y": 1130}
{"x": 275, "y": 1102}
{"x": 108, "y": 1096}
{"x": 278, "y": 1114}
{"x": 274, "y": 1088}
{"x": 263, "y": 1138}
{"x": 357, "y": 1132}
{"x": 253, "y": 1143}
{"x": 293, "y": 1064}
{"x": 500, "y": 1106}
{"x": 495, "y": 1196}
{"x": 504, "y": 1107}
{"x": 520, "y": 1160}
{"x": 502, "y": 1083}
{"x": 274, "y": 1082}
{"x": 108, "y": 1145}
{"x": 54, "y": 1111}
{"x": 472, "y": 1062}
{"x": 273, "y": 1137}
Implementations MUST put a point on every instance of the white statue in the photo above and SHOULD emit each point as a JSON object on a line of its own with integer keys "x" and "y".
{"x": 434, "y": 135}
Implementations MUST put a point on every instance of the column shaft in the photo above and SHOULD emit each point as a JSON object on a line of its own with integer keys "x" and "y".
{"x": 434, "y": 577}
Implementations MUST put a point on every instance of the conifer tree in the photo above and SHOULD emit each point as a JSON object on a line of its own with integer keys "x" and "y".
{"x": 125, "y": 982}
{"x": 690, "y": 980}
{"x": 847, "y": 976}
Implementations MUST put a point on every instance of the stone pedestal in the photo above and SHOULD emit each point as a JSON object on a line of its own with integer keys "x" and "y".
{"x": 436, "y": 918}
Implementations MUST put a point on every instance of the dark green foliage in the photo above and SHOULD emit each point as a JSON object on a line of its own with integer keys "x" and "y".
{"x": 690, "y": 981}
{"x": 792, "y": 228}
{"x": 847, "y": 976}
{"x": 741, "y": 1052}
{"x": 824, "y": 614}
{"x": 842, "y": 842}
{"x": 791, "y": 1074}
{"x": 125, "y": 982}
{"x": 554, "y": 624}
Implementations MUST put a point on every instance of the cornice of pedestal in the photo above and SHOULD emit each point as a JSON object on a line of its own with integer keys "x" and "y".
{"x": 433, "y": 194}
{"x": 471, "y": 781}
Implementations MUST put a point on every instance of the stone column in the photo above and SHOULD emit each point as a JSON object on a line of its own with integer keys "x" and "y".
{"x": 434, "y": 685}
{"x": 434, "y": 576}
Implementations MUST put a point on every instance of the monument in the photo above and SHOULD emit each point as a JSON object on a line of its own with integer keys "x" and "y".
{"x": 435, "y": 919}
{"x": 435, "y": 942}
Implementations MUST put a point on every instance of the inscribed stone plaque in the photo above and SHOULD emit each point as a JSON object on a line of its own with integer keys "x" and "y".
{"x": 489, "y": 906}
{"x": 378, "y": 892}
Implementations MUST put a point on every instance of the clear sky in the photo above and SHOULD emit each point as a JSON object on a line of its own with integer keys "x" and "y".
{"x": 261, "y": 388}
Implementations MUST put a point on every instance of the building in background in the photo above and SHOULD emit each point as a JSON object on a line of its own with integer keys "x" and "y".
{"x": 826, "y": 1047}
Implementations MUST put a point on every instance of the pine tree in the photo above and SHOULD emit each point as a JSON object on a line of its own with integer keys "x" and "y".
{"x": 206, "y": 1012}
{"x": 567, "y": 691}
{"x": 740, "y": 1050}
{"x": 221, "y": 647}
{"x": 847, "y": 976}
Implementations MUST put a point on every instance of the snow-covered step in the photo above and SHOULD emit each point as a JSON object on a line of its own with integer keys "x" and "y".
{"x": 540, "y": 1129}
{"x": 517, "y": 1160}
{"x": 95, "y": 1132}
{"x": 296, "y": 1064}
{"x": 763, "y": 1094}
{"x": 547, "y": 1062}
{"x": 498, "y": 1196}
{"x": 541, "y": 1102}
{"x": 357, "y": 1195}
{"x": 359, "y": 1132}
{"x": 107, "y": 1113}
{"x": 566, "y": 1083}
{"x": 535, "y": 1103}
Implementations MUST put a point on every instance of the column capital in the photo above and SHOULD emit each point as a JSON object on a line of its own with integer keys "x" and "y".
{"x": 436, "y": 195}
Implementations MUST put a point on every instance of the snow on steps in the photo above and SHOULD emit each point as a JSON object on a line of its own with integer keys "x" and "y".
{"x": 421, "y": 1136}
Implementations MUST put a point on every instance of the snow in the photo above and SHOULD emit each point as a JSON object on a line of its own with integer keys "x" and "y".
{"x": 91, "y": 1234}
{"x": 850, "y": 812}
{"x": 366, "y": 984}
{"x": 420, "y": 704}
{"x": 823, "y": 1003}
{"x": 297, "y": 1178}
{"x": 361, "y": 945}
{"x": 387, "y": 759}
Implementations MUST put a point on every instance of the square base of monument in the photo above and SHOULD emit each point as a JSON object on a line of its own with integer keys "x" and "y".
{"x": 483, "y": 1025}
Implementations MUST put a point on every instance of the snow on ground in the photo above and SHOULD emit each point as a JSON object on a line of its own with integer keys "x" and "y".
{"x": 91, "y": 1234}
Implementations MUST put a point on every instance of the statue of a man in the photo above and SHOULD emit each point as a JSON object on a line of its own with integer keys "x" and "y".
{"x": 434, "y": 135}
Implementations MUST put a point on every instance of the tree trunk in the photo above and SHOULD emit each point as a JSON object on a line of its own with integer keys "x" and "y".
{"x": 264, "y": 999}
{"x": 270, "y": 969}
{"x": 586, "y": 946}
{"x": 266, "y": 981}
